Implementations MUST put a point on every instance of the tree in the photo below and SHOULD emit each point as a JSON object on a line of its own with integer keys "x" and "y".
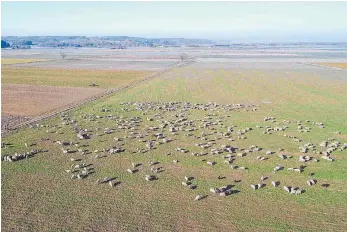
{"x": 4, "y": 44}
{"x": 183, "y": 57}
{"x": 63, "y": 55}
{"x": 27, "y": 42}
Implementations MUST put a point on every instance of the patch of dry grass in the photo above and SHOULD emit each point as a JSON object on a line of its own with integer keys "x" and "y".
{"x": 337, "y": 65}
{"x": 6, "y": 61}
{"x": 67, "y": 77}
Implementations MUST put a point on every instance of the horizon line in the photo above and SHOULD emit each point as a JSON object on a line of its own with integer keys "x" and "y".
{"x": 144, "y": 37}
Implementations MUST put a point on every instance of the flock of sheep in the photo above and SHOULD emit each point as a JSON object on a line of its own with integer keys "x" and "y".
{"x": 157, "y": 124}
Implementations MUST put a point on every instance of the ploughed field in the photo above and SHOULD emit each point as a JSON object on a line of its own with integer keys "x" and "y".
{"x": 197, "y": 148}
{"x": 31, "y": 100}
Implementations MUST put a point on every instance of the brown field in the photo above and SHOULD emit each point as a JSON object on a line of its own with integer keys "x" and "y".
{"x": 27, "y": 100}
{"x": 336, "y": 65}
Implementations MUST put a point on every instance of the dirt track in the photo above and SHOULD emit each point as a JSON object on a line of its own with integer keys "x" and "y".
{"x": 13, "y": 102}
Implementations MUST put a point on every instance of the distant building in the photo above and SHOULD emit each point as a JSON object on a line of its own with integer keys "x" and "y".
{"x": 118, "y": 47}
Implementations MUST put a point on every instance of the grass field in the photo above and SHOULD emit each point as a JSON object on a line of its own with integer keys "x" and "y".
{"x": 37, "y": 195}
{"x": 5, "y": 61}
{"x": 70, "y": 77}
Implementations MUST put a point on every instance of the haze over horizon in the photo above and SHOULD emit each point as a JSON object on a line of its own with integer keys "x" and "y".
{"x": 233, "y": 21}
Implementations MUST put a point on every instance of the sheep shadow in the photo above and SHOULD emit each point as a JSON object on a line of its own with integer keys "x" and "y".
{"x": 72, "y": 152}
{"x": 234, "y": 191}
{"x": 138, "y": 165}
{"x": 116, "y": 183}
{"x": 203, "y": 197}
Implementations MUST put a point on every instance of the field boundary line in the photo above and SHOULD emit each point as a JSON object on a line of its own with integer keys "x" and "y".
{"x": 7, "y": 129}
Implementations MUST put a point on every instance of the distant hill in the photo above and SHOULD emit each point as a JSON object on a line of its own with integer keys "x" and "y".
{"x": 123, "y": 42}
{"x": 103, "y": 41}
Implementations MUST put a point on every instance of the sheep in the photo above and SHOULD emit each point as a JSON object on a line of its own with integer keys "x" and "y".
{"x": 130, "y": 171}
{"x": 275, "y": 183}
{"x": 278, "y": 168}
{"x": 298, "y": 191}
{"x": 254, "y": 187}
{"x": 149, "y": 177}
{"x": 287, "y": 188}
{"x": 241, "y": 154}
{"x": 81, "y": 176}
{"x": 198, "y": 198}
{"x": 214, "y": 190}
{"x": 311, "y": 182}
{"x": 223, "y": 194}
{"x": 184, "y": 183}
{"x": 328, "y": 158}
{"x": 263, "y": 178}
{"x": 269, "y": 153}
{"x": 155, "y": 169}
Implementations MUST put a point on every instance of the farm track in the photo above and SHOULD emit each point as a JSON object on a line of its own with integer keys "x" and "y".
{"x": 10, "y": 128}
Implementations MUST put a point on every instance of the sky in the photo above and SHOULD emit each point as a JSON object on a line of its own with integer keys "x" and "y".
{"x": 232, "y": 21}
